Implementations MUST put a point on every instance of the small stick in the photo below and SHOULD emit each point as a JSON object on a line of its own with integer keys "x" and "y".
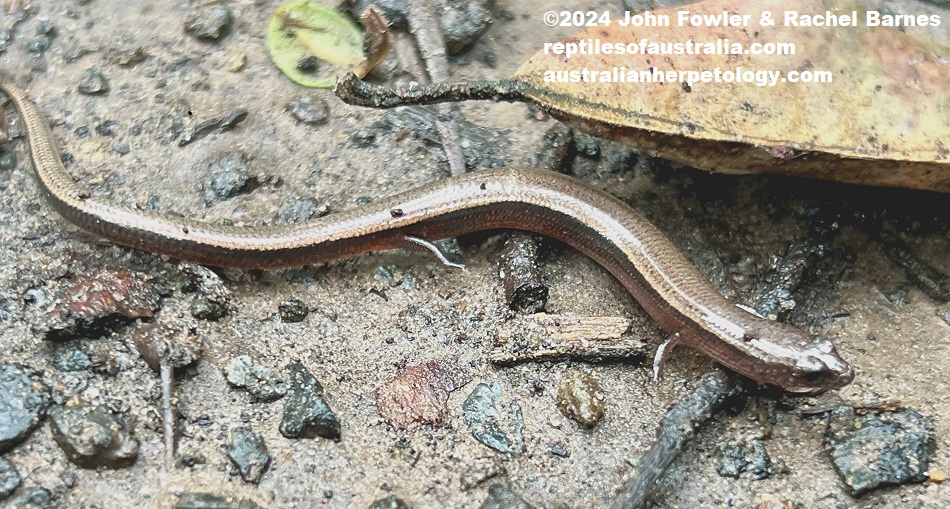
{"x": 357, "y": 92}
{"x": 425, "y": 24}
{"x": 168, "y": 411}
{"x": 525, "y": 289}
{"x": 678, "y": 427}
{"x": 924, "y": 277}
{"x": 543, "y": 336}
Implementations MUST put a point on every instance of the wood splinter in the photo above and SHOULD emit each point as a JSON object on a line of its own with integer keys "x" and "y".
{"x": 545, "y": 336}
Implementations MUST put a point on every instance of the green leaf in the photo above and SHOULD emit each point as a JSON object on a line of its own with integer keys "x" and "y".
{"x": 302, "y": 30}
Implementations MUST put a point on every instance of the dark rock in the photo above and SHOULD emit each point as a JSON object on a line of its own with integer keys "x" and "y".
{"x": 395, "y": 276}
{"x": 464, "y": 21}
{"x": 500, "y": 496}
{"x": 92, "y": 82}
{"x": 297, "y": 209}
{"x": 261, "y": 382}
{"x": 72, "y": 359}
{"x": 587, "y": 146}
{"x": 306, "y": 413}
{"x": 229, "y": 176}
{"x": 579, "y": 397}
{"x": 102, "y": 304}
{"x": 481, "y": 415}
{"x": 209, "y": 23}
{"x": 309, "y": 110}
{"x": 742, "y": 457}
{"x": 394, "y": 11}
{"x": 363, "y": 138}
{"x": 308, "y": 64}
{"x": 390, "y": 502}
{"x": 559, "y": 450}
{"x": 92, "y": 437}
{"x": 214, "y": 299}
{"x": 419, "y": 395}
{"x": 211, "y": 501}
{"x": 248, "y": 452}
{"x": 880, "y": 448}
{"x": 107, "y": 128}
{"x": 292, "y": 310}
{"x": 24, "y": 399}
{"x": 9, "y": 479}
{"x": 122, "y": 148}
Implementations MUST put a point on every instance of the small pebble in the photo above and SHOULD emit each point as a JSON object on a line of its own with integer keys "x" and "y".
{"x": 261, "y": 382}
{"x": 309, "y": 110}
{"x": 107, "y": 128}
{"x": 306, "y": 412}
{"x": 464, "y": 21}
{"x": 488, "y": 426}
{"x": 39, "y": 44}
{"x": 7, "y": 161}
{"x": 363, "y": 138}
{"x": 72, "y": 359}
{"x": 937, "y": 475}
{"x": 236, "y": 63}
{"x": 390, "y": 502}
{"x": 579, "y": 398}
{"x": 419, "y": 395}
{"x": 751, "y": 456}
{"x": 24, "y": 399}
{"x": 209, "y": 23}
{"x": 248, "y": 452}
{"x": 500, "y": 496}
{"x": 292, "y": 310}
{"x": 308, "y": 64}
{"x": 122, "y": 148}
{"x": 229, "y": 176}
{"x": 9, "y": 479}
{"x": 92, "y": 82}
{"x": 297, "y": 209}
{"x": 101, "y": 304}
{"x": 92, "y": 437}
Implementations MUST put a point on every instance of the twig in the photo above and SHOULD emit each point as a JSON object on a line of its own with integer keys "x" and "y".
{"x": 678, "y": 426}
{"x": 425, "y": 24}
{"x": 525, "y": 289}
{"x": 168, "y": 411}
{"x": 357, "y": 92}
{"x": 543, "y": 336}
{"x": 924, "y": 277}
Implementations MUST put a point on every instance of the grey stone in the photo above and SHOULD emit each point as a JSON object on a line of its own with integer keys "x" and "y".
{"x": 24, "y": 399}
{"x": 92, "y": 437}
{"x": 248, "y": 452}
{"x": 881, "y": 448}
{"x": 306, "y": 412}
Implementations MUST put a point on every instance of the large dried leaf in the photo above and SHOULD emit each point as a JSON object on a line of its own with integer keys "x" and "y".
{"x": 885, "y": 119}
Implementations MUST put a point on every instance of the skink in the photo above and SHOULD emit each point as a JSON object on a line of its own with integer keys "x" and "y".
{"x": 639, "y": 255}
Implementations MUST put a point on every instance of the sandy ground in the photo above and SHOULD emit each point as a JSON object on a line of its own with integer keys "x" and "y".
{"x": 355, "y": 341}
